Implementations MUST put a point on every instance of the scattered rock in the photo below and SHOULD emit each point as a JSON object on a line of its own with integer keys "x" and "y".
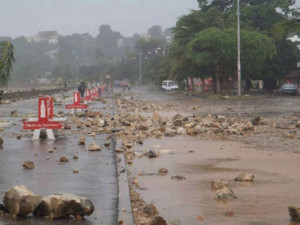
{"x": 181, "y": 131}
{"x": 244, "y": 177}
{"x": 256, "y": 121}
{"x": 67, "y": 126}
{"x": 75, "y": 171}
{"x": 219, "y": 184}
{"x": 81, "y": 141}
{"x": 50, "y": 150}
{"x": 75, "y": 156}
{"x": 63, "y": 159}
{"x": 153, "y": 154}
{"x": 19, "y": 136}
{"x": 178, "y": 177}
{"x": 150, "y": 210}
{"x": 94, "y": 147}
{"x": 1, "y": 142}
{"x": 294, "y": 213}
{"x": 43, "y": 134}
{"x": 107, "y": 144}
{"x": 225, "y": 194}
{"x": 28, "y": 165}
{"x": 64, "y": 205}
{"x": 163, "y": 171}
{"x": 158, "y": 220}
{"x": 93, "y": 114}
{"x": 19, "y": 201}
{"x": 200, "y": 218}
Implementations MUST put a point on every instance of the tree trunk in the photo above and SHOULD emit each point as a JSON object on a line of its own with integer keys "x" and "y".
{"x": 217, "y": 81}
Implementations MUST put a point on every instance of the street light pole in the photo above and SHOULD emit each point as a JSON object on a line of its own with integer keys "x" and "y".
{"x": 140, "y": 56}
{"x": 238, "y": 48}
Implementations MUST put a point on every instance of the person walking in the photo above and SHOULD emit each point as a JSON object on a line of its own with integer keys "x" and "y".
{"x": 81, "y": 89}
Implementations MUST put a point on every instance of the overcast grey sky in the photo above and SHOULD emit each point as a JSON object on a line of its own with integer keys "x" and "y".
{"x": 27, "y": 17}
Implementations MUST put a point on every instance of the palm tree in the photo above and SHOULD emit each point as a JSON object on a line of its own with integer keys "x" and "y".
{"x": 288, "y": 27}
{"x": 6, "y": 59}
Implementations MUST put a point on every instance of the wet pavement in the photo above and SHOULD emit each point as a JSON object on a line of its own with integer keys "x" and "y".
{"x": 265, "y": 201}
{"x": 96, "y": 180}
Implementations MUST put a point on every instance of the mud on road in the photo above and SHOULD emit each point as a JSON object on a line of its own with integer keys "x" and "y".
{"x": 269, "y": 150}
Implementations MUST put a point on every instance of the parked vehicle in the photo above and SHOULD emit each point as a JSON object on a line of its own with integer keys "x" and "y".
{"x": 169, "y": 85}
{"x": 287, "y": 89}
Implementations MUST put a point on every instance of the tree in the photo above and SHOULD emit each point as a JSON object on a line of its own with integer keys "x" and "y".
{"x": 6, "y": 59}
{"x": 155, "y": 32}
{"x": 216, "y": 49}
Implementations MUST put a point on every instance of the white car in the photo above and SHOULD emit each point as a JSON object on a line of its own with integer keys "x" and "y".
{"x": 169, "y": 85}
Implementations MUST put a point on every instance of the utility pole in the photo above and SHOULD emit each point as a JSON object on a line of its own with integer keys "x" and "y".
{"x": 238, "y": 48}
{"x": 140, "y": 56}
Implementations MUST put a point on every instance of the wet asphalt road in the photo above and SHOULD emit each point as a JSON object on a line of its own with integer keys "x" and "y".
{"x": 96, "y": 180}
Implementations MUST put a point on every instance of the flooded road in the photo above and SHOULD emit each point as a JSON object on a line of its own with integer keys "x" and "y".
{"x": 265, "y": 201}
{"x": 96, "y": 180}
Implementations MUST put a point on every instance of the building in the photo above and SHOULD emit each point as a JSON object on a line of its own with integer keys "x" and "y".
{"x": 45, "y": 36}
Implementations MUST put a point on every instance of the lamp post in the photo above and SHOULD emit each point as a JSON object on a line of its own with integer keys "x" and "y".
{"x": 238, "y": 48}
{"x": 140, "y": 67}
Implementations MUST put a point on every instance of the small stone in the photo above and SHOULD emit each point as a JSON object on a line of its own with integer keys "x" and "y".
{"x": 219, "y": 184}
{"x": 121, "y": 222}
{"x": 178, "y": 177}
{"x": 67, "y": 127}
{"x": 200, "y": 218}
{"x": 256, "y": 121}
{"x": 50, "y": 150}
{"x": 63, "y": 159}
{"x": 163, "y": 171}
{"x": 158, "y": 220}
{"x": 81, "y": 141}
{"x": 47, "y": 157}
{"x": 153, "y": 154}
{"x": 244, "y": 177}
{"x": 294, "y": 213}
{"x": 107, "y": 144}
{"x": 1, "y": 141}
{"x": 119, "y": 150}
{"x": 75, "y": 171}
{"x": 43, "y": 135}
{"x": 19, "y": 136}
{"x": 150, "y": 210}
{"x": 225, "y": 194}
{"x": 94, "y": 147}
{"x": 75, "y": 156}
{"x": 28, "y": 165}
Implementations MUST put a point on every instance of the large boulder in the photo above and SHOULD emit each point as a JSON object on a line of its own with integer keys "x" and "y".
{"x": 64, "y": 205}
{"x": 19, "y": 201}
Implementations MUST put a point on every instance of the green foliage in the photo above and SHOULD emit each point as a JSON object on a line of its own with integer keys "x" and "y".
{"x": 6, "y": 59}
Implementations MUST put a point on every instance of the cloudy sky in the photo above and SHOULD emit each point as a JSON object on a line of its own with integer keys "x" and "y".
{"x": 27, "y": 17}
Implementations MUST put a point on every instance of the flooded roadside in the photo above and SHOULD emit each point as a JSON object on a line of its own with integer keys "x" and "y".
{"x": 265, "y": 201}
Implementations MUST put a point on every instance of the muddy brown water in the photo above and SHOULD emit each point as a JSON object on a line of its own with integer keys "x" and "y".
{"x": 263, "y": 202}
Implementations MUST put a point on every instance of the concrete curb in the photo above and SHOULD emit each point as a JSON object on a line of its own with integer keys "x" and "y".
{"x": 124, "y": 204}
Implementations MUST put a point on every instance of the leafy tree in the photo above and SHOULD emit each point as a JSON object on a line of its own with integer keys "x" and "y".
{"x": 216, "y": 49}
{"x": 6, "y": 59}
{"x": 155, "y": 32}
